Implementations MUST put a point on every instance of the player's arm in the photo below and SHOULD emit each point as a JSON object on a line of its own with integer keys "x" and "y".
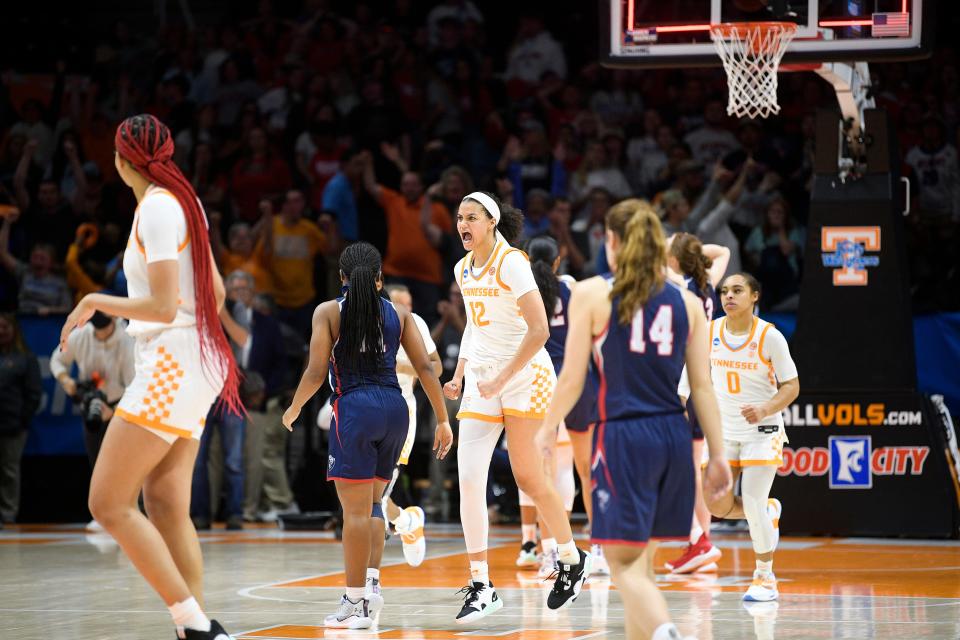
{"x": 721, "y": 258}
{"x": 538, "y": 330}
{"x": 412, "y": 344}
{"x": 778, "y": 354}
{"x": 321, "y": 344}
{"x": 587, "y": 299}
{"x": 716, "y": 477}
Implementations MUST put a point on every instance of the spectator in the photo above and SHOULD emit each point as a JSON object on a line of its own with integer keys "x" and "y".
{"x": 458, "y": 10}
{"x": 41, "y": 291}
{"x": 248, "y": 249}
{"x": 231, "y": 428}
{"x": 595, "y": 171}
{"x": 267, "y": 493}
{"x": 712, "y": 141}
{"x": 259, "y": 173}
{"x": 588, "y": 230}
{"x": 47, "y": 217}
{"x": 104, "y": 355}
{"x": 534, "y": 52}
{"x": 572, "y": 257}
{"x": 296, "y": 244}
{"x": 323, "y": 163}
{"x": 412, "y": 259}
{"x": 937, "y": 175}
{"x": 536, "y": 218}
{"x": 33, "y": 127}
{"x": 340, "y": 194}
{"x": 531, "y": 165}
{"x": 773, "y": 253}
{"x": 20, "y": 393}
{"x": 232, "y": 91}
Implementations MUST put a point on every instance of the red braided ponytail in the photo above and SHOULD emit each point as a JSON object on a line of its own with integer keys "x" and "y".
{"x": 147, "y": 144}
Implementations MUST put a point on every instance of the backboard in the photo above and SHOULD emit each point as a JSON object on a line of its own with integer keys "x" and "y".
{"x": 676, "y": 33}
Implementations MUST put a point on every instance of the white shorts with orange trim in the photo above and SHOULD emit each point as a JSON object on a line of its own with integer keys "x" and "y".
{"x": 752, "y": 453}
{"x": 170, "y": 395}
{"x": 527, "y": 394}
{"x": 411, "y": 430}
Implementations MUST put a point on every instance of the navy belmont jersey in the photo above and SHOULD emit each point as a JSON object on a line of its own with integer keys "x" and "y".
{"x": 559, "y": 323}
{"x": 711, "y": 304}
{"x": 343, "y": 381}
{"x": 640, "y": 363}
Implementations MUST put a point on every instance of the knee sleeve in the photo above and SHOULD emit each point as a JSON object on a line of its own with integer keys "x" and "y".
{"x": 475, "y": 446}
{"x": 563, "y": 480}
{"x": 755, "y": 491}
{"x": 376, "y": 511}
{"x": 393, "y": 482}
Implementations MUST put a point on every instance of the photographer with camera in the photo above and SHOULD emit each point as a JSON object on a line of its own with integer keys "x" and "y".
{"x": 104, "y": 356}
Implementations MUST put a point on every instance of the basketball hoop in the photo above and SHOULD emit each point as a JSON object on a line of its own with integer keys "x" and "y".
{"x": 751, "y": 54}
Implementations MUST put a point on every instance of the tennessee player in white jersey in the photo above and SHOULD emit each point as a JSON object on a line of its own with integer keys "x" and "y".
{"x": 409, "y": 522}
{"x": 183, "y": 362}
{"x": 509, "y": 385}
{"x": 754, "y": 378}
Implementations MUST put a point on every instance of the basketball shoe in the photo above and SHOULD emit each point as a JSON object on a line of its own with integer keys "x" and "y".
{"x": 695, "y": 556}
{"x": 528, "y": 555}
{"x": 350, "y": 615}
{"x": 479, "y": 601}
{"x": 414, "y": 544}
{"x": 570, "y": 579}
{"x": 373, "y": 596}
{"x": 763, "y": 589}
{"x": 600, "y": 566}
{"x": 216, "y": 633}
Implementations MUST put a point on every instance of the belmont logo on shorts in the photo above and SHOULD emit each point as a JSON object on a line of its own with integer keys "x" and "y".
{"x": 852, "y": 462}
{"x": 843, "y": 249}
{"x": 603, "y": 500}
{"x": 849, "y": 462}
{"x": 330, "y": 462}
{"x": 844, "y": 414}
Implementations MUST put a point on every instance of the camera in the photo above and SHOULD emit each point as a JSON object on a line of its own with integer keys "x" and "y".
{"x": 92, "y": 401}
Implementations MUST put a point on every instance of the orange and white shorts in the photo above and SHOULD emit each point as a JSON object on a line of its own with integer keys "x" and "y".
{"x": 170, "y": 394}
{"x": 527, "y": 395}
{"x": 411, "y": 430}
{"x": 752, "y": 453}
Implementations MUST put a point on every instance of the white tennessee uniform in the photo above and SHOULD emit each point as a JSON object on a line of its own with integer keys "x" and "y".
{"x": 171, "y": 393}
{"x": 745, "y": 370}
{"x": 406, "y": 381}
{"x": 495, "y": 329}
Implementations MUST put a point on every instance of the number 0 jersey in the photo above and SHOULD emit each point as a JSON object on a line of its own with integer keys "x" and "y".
{"x": 745, "y": 371}
{"x": 495, "y": 327}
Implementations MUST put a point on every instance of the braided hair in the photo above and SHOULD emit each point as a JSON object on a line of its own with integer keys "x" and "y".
{"x": 543, "y": 252}
{"x": 361, "y": 330}
{"x": 147, "y": 144}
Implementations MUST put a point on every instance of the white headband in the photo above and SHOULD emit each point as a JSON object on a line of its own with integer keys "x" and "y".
{"x": 487, "y": 203}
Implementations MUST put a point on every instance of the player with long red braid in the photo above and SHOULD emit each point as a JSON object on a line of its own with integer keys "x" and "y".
{"x": 183, "y": 362}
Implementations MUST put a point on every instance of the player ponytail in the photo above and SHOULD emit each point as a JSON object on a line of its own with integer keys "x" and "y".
{"x": 361, "y": 330}
{"x": 543, "y": 252}
{"x": 688, "y": 250}
{"x": 147, "y": 145}
{"x": 640, "y": 262}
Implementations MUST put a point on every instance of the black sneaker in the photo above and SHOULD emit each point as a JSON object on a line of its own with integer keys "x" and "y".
{"x": 528, "y": 554}
{"x": 480, "y": 601}
{"x": 216, "y": 633}
{"x": 570, "y": 579}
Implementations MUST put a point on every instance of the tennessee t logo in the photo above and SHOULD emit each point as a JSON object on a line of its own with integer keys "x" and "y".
{"x": 843, "y": 249}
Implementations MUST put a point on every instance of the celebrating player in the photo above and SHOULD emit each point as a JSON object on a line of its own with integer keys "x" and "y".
{"x": 509, "y": 384}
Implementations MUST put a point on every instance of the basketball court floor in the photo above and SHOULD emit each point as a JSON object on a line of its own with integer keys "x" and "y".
{"x": 59, "y": 582}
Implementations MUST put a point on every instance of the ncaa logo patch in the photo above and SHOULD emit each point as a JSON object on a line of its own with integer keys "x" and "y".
{"x": 850, "y": 462}
{"x": 330, "y": 462}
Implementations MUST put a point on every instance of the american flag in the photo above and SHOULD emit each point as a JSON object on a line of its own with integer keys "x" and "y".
{"x": 890, "y": 24}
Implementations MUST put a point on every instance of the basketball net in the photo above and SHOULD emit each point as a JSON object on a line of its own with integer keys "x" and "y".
{"x": 751, "y": 54}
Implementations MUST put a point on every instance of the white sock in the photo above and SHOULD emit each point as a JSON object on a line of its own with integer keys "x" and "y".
{"x": 480, "y": 571}
{"x": 549, "y": 545}
{"x": 695, "y": 531}
{"x": 355, "y": 594}
{"x": 373, "y": 573}
{"x": 189, "y": 615}
{"x": 403, "y": 521}
{"x": 529, "y": 532}
{"x": 666, "y": 631}
{"x": 765, "y": 567}
{"x": 568, "y": 553}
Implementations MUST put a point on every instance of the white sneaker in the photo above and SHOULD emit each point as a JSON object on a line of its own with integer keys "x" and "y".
{"x": 373, "y": 596}
{"x": 414, "y": 544}
{"x": 774, "y": 510}
{"x": 600, "y": 566}
{"x": 763, "y": 589}
{"x": 94, "y": 527}
{"x": 548, "y": 564}
{"x": 527, "y": 558}
{"x": 480, "y": 601}
{"x": 350, "y": 615}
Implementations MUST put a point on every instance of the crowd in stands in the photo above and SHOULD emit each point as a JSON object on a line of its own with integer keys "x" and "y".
{"x": 305, "y": 126}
